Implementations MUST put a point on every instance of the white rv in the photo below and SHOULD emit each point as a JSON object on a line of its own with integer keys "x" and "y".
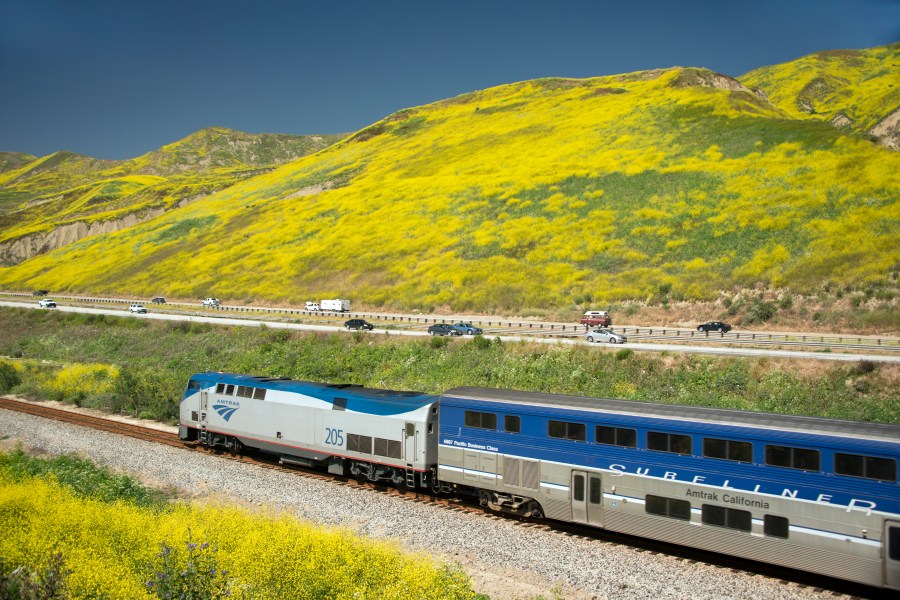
{"x": 335, "y": 305}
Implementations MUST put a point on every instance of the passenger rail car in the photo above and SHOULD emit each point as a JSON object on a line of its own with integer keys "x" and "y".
{"x": 819, "y": 495}
{"x": 372, "y": 434}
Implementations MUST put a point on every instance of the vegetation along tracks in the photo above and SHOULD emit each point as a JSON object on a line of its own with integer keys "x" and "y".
{"x": 787, "y": 577}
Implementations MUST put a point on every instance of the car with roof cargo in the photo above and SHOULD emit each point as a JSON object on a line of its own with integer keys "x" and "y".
{"x": 211, "y": 302}
{"x": 47, "y": 303}
{"x": 138, "y": 309}
{"x": 594, "y": 318}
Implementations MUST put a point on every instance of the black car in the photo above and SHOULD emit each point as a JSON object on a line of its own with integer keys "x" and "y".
{"x": 158, "y": 300}
{"x": 714, "y": 326}
{"x": 358, "y": 324}
{"x": 40, "y": 292}
{"x": 443, "y": 329}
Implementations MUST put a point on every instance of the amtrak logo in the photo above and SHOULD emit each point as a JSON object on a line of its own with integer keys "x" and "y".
{"x": 225, "y": 411}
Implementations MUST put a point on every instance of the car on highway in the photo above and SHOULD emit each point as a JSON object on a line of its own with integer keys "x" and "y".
{"x": 138, "y": 309}
{"x": 40, "y": 292}
{"x": 605, "y": 335}
{"x": 358, "y": 324}
{"x": 467, "y": 328}
{"x": 47, "y": 303}
{"x": 443, "y": 329}
{"x": 158, "y": 300}
{"x": 714, "y": 326}
{"x": 212, "y": 302}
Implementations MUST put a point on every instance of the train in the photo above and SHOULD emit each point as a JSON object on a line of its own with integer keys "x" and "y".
{"x": 813, "y": 494}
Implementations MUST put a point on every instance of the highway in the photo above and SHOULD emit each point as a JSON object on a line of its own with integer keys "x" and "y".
{"x": 416, "y": 325}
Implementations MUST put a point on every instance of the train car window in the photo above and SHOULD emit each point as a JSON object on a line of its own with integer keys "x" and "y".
{"x": 339, "y": 404}
{"x": 668, "y": 442}
{"x": 776, "y": 526}
{"x": 194, "y": 385}
{"x": 567, "y": 431}
{"x": 481, "y": 420}
{"x": 594, "y": 490}
{"x": 244, "y": 391}
{"x": 731, "y": 518}
{"x": 229, "y": 390}
{"x": 894, "y": 542}
{"x": 792, "y": 458}
{"x": 259, "y": 394}
{"x": 870, "y": 467}
{"x": 512, "y": 424}
{"x": 220, "y": 388}
{"x": 578, "y": 488}
{"x": 616, "y": 436}
{"x": 668, "y": 507}
{"x": 728, "y": 449}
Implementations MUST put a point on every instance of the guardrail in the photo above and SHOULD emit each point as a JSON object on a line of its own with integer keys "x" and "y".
{"x": 668, "y": 333}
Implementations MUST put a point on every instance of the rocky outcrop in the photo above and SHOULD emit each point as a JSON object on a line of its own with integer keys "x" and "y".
{"x": 888, "y": 131}
{"x": 23, "y": 248}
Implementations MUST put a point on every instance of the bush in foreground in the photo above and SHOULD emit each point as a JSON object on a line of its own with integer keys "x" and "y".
{"x": 112, "y": 550}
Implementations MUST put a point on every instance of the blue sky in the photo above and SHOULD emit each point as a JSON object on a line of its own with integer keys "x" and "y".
{"x": 118, "y": 78}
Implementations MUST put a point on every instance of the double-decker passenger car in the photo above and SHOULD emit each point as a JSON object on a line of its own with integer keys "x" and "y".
{"x": 372, "y": 434}
{"x": 814, "y": 494}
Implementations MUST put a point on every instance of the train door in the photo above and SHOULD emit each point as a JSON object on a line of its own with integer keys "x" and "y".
{"x": 586, "y": 497}
{"x": 892, "y": 554}
{"x": 579, "y": 500}
{"x": 204, "y": 408}
{"x": 409, "y": 442}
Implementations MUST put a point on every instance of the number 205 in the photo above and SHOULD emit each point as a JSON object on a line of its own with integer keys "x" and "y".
{"x": 334, "y": 437}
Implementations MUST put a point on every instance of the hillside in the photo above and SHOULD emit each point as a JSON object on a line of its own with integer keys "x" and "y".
{"x": 854, "y": 89}
{"x": 13, "y": 160}
{"x": 552, "y": 192}
{"x": 58, "y": 199}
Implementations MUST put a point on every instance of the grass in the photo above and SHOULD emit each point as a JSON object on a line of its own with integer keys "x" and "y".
{"x": 141, "y": 370}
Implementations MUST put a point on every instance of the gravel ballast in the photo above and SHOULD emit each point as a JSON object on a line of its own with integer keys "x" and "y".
{"x": 504, "y": 559}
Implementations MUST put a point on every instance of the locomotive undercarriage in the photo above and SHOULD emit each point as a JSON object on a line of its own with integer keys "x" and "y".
{"x": 401, "y": 478}
{"x": 521, "y": 506}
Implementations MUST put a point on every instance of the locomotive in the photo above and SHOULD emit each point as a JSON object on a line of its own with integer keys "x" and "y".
{"x": 814, "y": 494}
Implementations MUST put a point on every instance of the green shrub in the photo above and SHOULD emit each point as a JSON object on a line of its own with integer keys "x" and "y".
{"x": 9, "y": 377}
{"x": 759, "y": 312}
{"x": 439, "y": 341}
{"x": 624, "y": 353}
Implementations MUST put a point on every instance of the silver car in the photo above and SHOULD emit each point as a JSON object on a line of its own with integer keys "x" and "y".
{"x": 605, "y": 335}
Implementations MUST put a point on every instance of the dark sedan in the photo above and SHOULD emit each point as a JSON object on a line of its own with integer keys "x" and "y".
{"x": 358, "y": 324}
{"x": 714, "y": 326}
{"x": 443, "y": 329}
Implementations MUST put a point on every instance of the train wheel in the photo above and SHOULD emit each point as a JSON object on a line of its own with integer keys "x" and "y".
{"x": 535, "y": 510}
{"x": 483, "y": 498}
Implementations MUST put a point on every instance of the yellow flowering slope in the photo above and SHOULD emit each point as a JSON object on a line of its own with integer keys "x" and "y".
{"x": 541, "y": 193}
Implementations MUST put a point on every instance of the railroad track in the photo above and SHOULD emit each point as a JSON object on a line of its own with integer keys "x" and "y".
{"x": 835, "y": 587}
